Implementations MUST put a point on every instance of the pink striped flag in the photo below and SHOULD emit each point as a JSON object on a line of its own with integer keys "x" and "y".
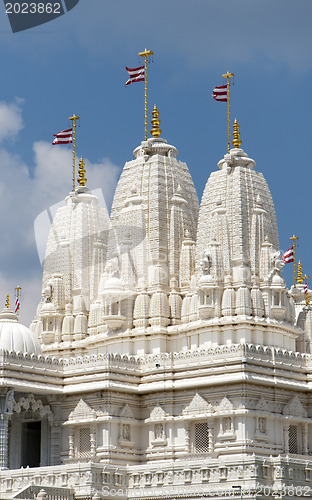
{"x": 220, "y": 93}
{"x": 288, "y": 256}
{"x": 63, "y": 137}
{"x": 136, "y": 75}
{"x": 17, "y": 305}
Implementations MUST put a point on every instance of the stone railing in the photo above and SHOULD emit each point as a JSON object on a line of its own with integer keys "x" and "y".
{"x": 111, "y": 361}
{"x": 174, "y": 478}
{"x": 82, "y": 479}
{"x": 48, "y": 493}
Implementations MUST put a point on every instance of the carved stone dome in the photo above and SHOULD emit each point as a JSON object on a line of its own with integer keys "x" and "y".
{"x": 16, "y": 337}
{"x": 237, "y": 211}
{"x": 111, "y": 286}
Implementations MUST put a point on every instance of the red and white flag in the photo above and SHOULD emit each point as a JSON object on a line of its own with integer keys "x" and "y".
{"x": 17, "y": 305}
{"x": 306, "y": 288}
{"x": 220, "y": 93}
{"x": 288, "y": 256}
{"x": 63, "y": 137}
{"x": 136, "y": 75}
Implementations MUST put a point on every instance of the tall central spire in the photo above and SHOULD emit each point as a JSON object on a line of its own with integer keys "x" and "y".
{"x": 154, "y": 217}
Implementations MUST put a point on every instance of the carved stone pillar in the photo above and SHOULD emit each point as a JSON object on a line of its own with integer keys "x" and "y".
{"x": 93, "y": 440}
{"x": 210, "y": 435}
{"x": 187, "y": 437}
{"x": 71, "y": 444}
{"x": 4, "y": 440}
{"x": 55, "y": 444}
{"x": 6, "y": 410}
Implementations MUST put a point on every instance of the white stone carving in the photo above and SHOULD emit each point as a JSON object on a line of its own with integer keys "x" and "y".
{"x": 32, "y": 404}
{"x": 262, "y": 405}
{"x": 294, "y": 408}
{"x": 82, "y": 413}
{"x": 126, "y": 412}
{"x": 198, "y": 405}
{"x": 157, "y": 413}
{"x": 224, "y": 406}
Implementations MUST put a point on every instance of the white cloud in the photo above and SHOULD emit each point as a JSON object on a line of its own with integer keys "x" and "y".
{"x": 11, "y": 121}
{"x": 199, "y": 32}
{"x": 53, "y": 174}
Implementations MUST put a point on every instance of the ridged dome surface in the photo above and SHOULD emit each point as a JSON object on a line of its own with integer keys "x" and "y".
{"x": 16, "y": 337}
{"x": 237, "y": 211}
{"x": 77, "y": 231}
{"x": 154, "y": 207}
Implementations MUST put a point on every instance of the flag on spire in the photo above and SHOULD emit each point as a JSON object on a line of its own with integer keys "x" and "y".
{"x": 288, "y": 256}
{"x": 220, "y": 93}
{"x": 17, "y": 305}
{"x": 136, "y": 75}
{"x": 63, "y": 137}
{"x": 306, "y": 288}
{"x": 17, "y": 299}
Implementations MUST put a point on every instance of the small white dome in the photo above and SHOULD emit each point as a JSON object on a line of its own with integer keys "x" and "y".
{"x": 47, "y": 307}
{"x": 278, "y": 280}
{"x": 205, "y": 279}
{"x": 16, "y": 337}
{"x": 112, "y": 286}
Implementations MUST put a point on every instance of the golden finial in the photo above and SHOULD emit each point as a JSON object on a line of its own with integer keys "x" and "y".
{"x": 299, "y": 273}
{"x": 236, "y": 135}
{"x": 7, "y": 302}
{"x": 82, "y": 179}
{"x": 155, "y": 122}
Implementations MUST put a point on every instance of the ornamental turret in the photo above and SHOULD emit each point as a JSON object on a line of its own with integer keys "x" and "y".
{"x": 74, "y": 261}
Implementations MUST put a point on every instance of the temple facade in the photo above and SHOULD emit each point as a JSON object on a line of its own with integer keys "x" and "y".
{"x": 167, "y": 358}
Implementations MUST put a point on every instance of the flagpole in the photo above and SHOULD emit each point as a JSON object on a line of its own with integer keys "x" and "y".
{"x": 305, "y": 277}
{"x": 294, "y": 238}
{"x": 145, "y": 54}
{"x": 74, "y": 118}
{"x": 17, "y": 290}
{"x": 228, "y": 75}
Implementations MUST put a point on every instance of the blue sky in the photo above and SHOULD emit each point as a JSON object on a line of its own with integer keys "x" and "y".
{"x": 75, "y": 64}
